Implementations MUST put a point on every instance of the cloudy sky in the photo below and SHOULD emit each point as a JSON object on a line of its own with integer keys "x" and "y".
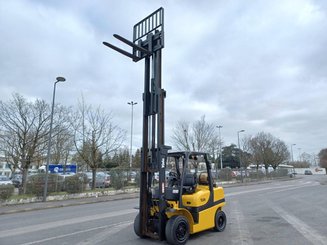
{"x": 252, "y": 65}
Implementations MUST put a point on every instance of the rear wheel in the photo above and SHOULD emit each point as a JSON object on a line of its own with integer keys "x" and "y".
{"x": 177, "y": 230}
{"x": 137, "y": 228}
{"x": 220, "y": 221}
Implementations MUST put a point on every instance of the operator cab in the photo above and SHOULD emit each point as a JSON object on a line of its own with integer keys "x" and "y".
{"x": 189, "y": 175}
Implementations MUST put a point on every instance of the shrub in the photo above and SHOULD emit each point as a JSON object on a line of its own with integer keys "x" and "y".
{"x": 75, "y": 183}
{"x": 118, "y": 178}
{"x": 225, "y": 174}
{"x": 279, "y": 173}
{"x": 256, "y": 174}
{"x": 242, "y": 175}
{"x": 6, "y": 191}
{"x": 138, "y": 179}
{"x": 35, "y": 184}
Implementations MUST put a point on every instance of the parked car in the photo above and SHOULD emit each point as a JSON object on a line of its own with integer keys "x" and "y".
{"x": 99, "y": 182}
{"x": 132, "y": 176}
{"x": 17, "y": 180}
{"x": 236, "y": 173}
{"x": 104, "y": 177}
{"x": 89, "y": 176}
{"x": 4, "y": 180}
{"x": 307, "y": 172}
{"x": 66, "y": 175}
{"x": 107, "y": 179}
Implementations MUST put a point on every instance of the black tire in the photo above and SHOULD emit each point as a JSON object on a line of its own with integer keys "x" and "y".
{"x": 220, "y": 221}
{"x": 137, "y": 228}
{"x": 177, "y": 230}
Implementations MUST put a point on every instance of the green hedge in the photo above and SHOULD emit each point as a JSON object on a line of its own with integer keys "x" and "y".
{"x": 56, "y": 183}
{"x": 138, "y": 179}
{"x": 118, "y": 178}
{"x": 278, "y": 173}
{"x": 6, "y": 191}
{"x": 225, "y": 174}
{"x": 256, "y": 174}
{"x": 76, "y": 183}
{"x": 35, "y": 184}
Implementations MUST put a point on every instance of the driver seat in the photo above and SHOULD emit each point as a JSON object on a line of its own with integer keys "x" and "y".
{"x": 189, "y": 183}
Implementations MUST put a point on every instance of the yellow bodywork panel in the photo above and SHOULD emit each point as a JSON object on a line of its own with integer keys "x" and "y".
{"x": 198, "y": 198}
{"x": 218, "y": 194}
{"x": 206, "y": 217}
{"x": 206, "y": 220}
{"x": 201, "y": 196}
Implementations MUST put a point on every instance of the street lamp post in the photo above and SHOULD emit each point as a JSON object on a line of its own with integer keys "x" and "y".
{"x": 220, "y": 155}
{"x": 292, "y": 152}
{"x": 238, "y": 140}
{"x": 59, "y": 79}
{"x": 220, "y": 144}
{"x": 299, "y": 154}
{"x": 132, "y": 103}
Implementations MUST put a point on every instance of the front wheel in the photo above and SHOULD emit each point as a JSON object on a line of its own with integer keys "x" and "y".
{"x": 220, "y": 221}
{"x": 137, "y": 228}
{"x": 177, "y": 230}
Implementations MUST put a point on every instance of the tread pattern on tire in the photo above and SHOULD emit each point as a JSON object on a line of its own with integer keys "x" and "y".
{"x": 220, "y": 221}
{"x": 174, "y": 223}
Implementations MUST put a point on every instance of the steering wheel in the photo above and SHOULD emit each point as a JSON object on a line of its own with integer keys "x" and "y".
{"x": 172, "y": 179}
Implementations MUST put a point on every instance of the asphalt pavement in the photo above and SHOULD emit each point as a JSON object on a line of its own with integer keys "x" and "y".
{"x": 14, "y": 208}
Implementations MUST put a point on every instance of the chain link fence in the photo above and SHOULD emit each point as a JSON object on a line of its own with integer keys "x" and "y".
{"x": 124, "y": 178}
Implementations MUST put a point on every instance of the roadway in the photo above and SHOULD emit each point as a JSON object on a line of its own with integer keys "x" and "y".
{"x": 280, "y": 212}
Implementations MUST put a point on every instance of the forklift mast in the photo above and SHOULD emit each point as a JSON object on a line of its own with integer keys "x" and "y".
{"x": 147, "y": 44}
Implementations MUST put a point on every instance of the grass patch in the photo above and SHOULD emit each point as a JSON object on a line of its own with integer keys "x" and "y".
{"x": 99, "y": 190}
{"x": 59, "y": 193}
{"x": 23, "y": 196}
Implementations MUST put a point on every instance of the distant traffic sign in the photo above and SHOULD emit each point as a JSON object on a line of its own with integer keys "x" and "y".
{"x": 59, "y": 168}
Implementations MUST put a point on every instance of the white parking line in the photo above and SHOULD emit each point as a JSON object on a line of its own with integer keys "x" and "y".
{"x": 104, "y": 235}
{"x": 305, "y": 230}
{"x": 243, "y": 236}
{"x": 114, "y": 229}
{"x": 60, "y": 223}
{"x": 285, "y": 187}
{"x": 293, "y": 188}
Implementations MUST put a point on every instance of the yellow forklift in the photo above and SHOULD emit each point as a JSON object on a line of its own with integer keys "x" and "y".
{"x": 193, "y": 202}
{"x": 184, "y": 199}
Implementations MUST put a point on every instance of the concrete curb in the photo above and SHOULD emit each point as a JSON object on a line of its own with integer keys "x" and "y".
{"x": 26, "y": 207}
{"x": 70, "y": 196}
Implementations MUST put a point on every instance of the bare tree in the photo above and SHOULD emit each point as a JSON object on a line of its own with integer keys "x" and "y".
{"x": 63, "y": 136}
{"x": 25, "y": 132}
{"x": 137, "y": 159}
{"x": 309, "y": 159}
{"x": 25, "y": 127}
{"x": 95, "y": 135}
{"x": 181, "y": 135}
{"x": 323, "y": 159}
{"x": 244, "y": 151}
{"x": 201, "y": 136}
{"x": 300, "y": 164}
{"x": 268, "y": 150}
